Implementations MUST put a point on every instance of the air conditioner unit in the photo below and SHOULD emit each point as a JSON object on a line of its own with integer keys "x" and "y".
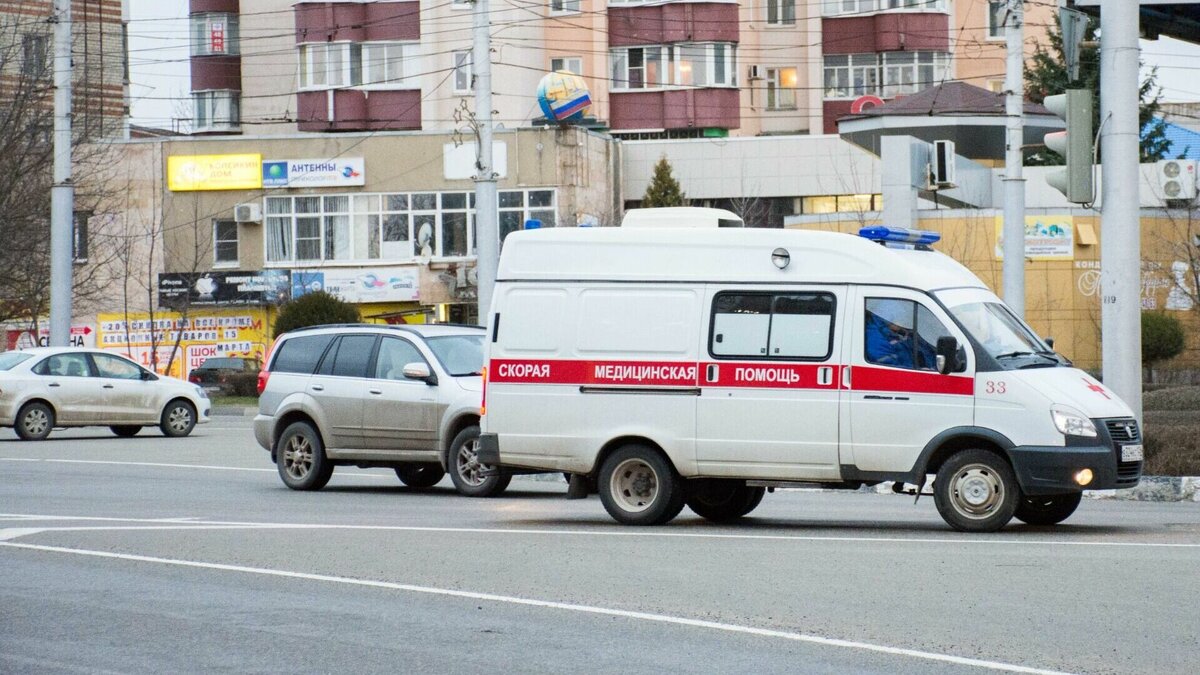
{"x": 756, "y": 72}
{"x": 941, "y": 165}
{"x": 1177, "y": 178}
{"x": 248, "y": 213}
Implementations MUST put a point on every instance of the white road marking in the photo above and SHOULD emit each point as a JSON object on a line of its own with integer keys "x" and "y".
{"x": 170, "y": 523}
{"x": 375, "y": 476}
{"x": 546, "y": 604}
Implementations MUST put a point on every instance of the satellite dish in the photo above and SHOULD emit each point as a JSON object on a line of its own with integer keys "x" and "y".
{"x": 425, "y": 240}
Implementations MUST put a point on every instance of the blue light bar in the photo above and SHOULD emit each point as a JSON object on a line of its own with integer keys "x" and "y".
{"x": 901, "y": 235}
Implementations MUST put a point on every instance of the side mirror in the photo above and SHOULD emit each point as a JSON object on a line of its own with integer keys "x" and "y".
{"x": 420, "y": 371}
{"x": 148, "y": 376}
{"x": 1049, "y": 342}
{"x": 947, "y": 354}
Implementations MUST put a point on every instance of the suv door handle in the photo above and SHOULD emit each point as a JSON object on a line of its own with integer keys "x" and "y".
{"x": 317, "y": 387}
{"x": 375, "y": 391}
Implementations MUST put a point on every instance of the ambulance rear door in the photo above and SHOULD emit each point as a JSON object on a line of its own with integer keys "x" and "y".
{"x": 769, "y": 375}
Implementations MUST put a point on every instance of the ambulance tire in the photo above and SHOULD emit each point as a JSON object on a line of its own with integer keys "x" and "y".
{"x": 1047, "y": 509}
{"x": 638, "y": 486}
{"x": 721, "y": 501}
{"x": 976, "y": 491}
{"x": 420, "y": 476}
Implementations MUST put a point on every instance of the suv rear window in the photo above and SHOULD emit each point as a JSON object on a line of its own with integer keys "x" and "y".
{"x": 300, "y": 354}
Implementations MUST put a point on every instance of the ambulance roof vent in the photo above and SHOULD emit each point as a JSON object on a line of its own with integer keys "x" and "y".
{"x": 681, "y": 216}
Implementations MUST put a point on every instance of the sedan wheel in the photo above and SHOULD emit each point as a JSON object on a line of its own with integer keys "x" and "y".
{"x": 34, "y": 422}
{"x": 178, "y": 419}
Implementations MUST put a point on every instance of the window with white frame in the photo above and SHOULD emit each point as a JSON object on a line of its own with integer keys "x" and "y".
{"x": 317, "y": 229}
{"x": 215, "y": 33}
{"x": 216, "y": 110}
{"x": 781, "y": 88}
{"x": 781, "y": 12}
{"x": 836, "y": 7}
{"x": 462, "y": 70}
{"x": 571, "y": 64}
{"x": 564, "y": 6}
{"x": 377, "y": 65}
{"x": 712, "y": 64}
{"x": 225, "y": 242}
{"x": 851, "y": 75}
{"x": 910, "y": 72}
{"x": 995, "y": 18}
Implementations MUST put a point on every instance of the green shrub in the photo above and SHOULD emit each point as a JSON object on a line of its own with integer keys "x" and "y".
{"x": 1162, "y": 338}
{"x": 1172, "y": 450}
{"x": 1173, "y": 398}
{"x": 314, "y": 309}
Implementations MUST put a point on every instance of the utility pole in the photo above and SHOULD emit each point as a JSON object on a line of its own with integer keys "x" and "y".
{"x": 1120, "y": 231}
{"x": 62, "y": 194}
{"x": 487, "y": 228}
{"x": 1014, "y": 180}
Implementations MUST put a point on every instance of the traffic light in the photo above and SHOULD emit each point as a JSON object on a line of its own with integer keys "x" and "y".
{"x": 1074, "y": 144}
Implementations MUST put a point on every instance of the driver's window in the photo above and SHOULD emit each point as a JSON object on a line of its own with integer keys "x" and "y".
{"x": 394, "y": 354}
{"x": 902, "y": 334}
{"x": 116, "y": 367}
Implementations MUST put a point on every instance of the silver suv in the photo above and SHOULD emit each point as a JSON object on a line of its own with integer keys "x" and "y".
{"x": 404, "y": 397}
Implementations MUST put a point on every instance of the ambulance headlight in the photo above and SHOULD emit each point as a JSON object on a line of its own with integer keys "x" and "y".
{"x": 1071, "y": 422}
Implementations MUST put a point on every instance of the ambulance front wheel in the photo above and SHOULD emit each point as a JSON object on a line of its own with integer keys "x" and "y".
{"x": 976, "y": 491}
{"x": 638, "y": 486}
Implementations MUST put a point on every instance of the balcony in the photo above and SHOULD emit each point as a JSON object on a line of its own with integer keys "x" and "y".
{"x": 671, "y": 109}
{"x": 886, "y": 32}
{"x": 357, "y": 21}
{"x": 672, "y": 22}
{"x": 359, "y": 110}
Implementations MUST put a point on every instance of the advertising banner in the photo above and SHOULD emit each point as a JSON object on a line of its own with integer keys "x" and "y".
{"x": 359, "y": 285}
{"x": 267, "y": 287}
{"x": 190, "y": 173}
{"x": 82, "y": 335}
{"x": 295, "y": 173}
{"x": 205, "y": 334}
{"x": 1046, "y": 237}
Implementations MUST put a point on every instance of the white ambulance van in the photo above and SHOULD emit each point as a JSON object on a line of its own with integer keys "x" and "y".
{"x": 666, "y": 367}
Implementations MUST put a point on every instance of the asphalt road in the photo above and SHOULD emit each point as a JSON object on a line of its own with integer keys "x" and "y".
{"x": 152, "y": 555}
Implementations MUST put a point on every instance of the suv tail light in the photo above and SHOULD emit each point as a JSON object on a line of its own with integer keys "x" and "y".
{"x": 263, "y": 376}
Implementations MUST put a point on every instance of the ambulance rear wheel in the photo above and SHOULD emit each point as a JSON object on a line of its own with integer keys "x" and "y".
{"x": 638, "y": 486}
{"x": 976, "y": 491}
{"x": 722, "y": 500}
{"x": 1047, "y": 509}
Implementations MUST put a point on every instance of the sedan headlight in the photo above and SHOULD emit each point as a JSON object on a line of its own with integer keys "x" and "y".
{"x": 1071, "y": 422}
{"x": 204, "y": 394}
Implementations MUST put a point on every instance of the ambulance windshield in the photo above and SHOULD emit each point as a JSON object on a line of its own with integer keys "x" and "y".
{"x": 1004, "y": 336}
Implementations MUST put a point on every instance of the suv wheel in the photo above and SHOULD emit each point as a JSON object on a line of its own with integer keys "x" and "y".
{"x": 301, "y": 458}
{"x": 466, "y": 470}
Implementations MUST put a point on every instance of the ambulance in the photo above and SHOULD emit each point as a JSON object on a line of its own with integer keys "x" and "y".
{"x": 670, "y": 367}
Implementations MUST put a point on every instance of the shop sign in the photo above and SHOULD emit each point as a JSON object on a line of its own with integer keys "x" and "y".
{"x": 301, "y": 173}
{"x": 175, "y": 346}
{"x": 360, "y": 284}
{"x": 267, "y": 287}
{"x": 1047, "y": 237}
{"x": 82, "y": 335}
{"x": 189, "y": 173}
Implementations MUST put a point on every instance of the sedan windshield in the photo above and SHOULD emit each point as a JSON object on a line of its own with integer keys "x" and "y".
{"x": 459, "y": 354}
{"x": 1003, "y": 335}
{"x": 10, "y": 359}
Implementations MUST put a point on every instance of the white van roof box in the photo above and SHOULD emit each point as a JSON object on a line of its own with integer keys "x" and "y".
{"x": 681, "y": 216}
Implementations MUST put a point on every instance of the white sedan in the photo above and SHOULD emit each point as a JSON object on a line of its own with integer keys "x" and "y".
{"x": 49, "y": 387}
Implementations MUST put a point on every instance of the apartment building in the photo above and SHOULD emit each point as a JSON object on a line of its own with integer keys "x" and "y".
{"x": 675, "y": 69}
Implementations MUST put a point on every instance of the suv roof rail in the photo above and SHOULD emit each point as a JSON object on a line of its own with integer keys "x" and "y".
{"x": 409, "y": 327}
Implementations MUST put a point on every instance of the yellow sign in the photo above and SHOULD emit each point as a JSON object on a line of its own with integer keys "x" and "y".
{"x": 1047, "y": 237}
{"x": 173, "y": 346}
{"x": 188, "y": 173}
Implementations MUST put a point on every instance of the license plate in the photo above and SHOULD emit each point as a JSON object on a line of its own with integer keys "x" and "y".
{"x": 1131, "y": 453}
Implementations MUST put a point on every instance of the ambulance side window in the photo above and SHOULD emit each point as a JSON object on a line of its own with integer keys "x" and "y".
{"x": 792, "y": 326}
{"x": 891, "y": 340}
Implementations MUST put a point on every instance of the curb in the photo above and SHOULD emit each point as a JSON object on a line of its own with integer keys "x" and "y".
{"x": 1155, "y": 489}
{"x": 233, "y": 411}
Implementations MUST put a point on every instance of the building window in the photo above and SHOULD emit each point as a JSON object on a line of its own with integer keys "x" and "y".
{"x": 462, "y": 71}
{"x": 571, "y": 64}
{"x": 216, "y": 110}
{"x": 79, "y": 237}
{"x": 781, "y": 12}
{"x": 841, "y": 204}
{"x": 564, "y": 6}
{"x": 215, "y": 34}
{"x": 836, "y": 7}
{"x": 781, "y": 88}
{"x": 889, "y": 74}
{"x": 910, "y": 72}
{"x": 995, "y": 23}
{"x": 678, "y": 65}
{"x": 225, "y": 242}
{"x": 378, "y": 65}
{"x": 389, "y": 227}
{"x": 35, "y": 61}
